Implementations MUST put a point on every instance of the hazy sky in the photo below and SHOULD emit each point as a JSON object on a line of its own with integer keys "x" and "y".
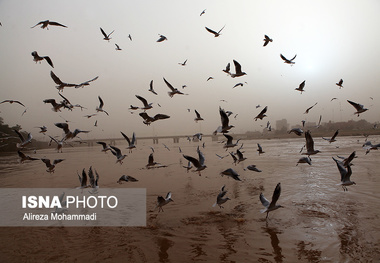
{"x": 332, "y": 40}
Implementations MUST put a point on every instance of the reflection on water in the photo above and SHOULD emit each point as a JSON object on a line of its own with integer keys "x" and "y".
{"x": 275, "y": 242}
{"x": 320, "y": 222}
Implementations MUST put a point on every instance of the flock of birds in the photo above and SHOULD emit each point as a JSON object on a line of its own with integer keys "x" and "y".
{"x": 198, "y": 162}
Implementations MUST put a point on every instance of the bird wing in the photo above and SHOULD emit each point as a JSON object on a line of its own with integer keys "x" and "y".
{"x": 168, "y": 196}
{"x": 63, "y": 126}
{"x": 302, "y": 85}
{"x": 335, "y": 134}
{"x": 194, "y": 161}
{"x": 229, "y": 138}
{"x": 126, "y": 137}
{"x": 160, "y": 116}
{"x": 309, "y": 142}
{"x": 39, "y": 23}
{"x": 342, "y": 170}
{"x": 221, "y": 29}
{"x": 104, "y": 33}
{"x": 283, "y": 58}
{"x": 101, "y": 102}
{"x": 150, "y": 159}
{"x": 169, "y": 85}
{"x": 224, "y": 117}
{"x": 197, "y": 114}
{"x": 293, "y": 58}
{"x": 117, "y": 150}
{"x": 237, "y": 67}
{"x": 58, "y": 161}
{"x": 356, "y": 105}
{"x": 211, "y": 31}
{"x": 143, "y": 100}
{"x": 201, "y": 157}
{"x": 20, "y": 135}
{"x": 276, "y": 194}
{"x": 47, "y": 162}
{"x": 48, "y": 60}
{"x": 52, "y": 23}
{"x": 55, "y": 78}
{"x": 263, "y": 200}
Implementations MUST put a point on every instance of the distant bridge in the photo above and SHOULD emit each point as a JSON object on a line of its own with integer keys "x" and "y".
{"x": 175, "y": 138}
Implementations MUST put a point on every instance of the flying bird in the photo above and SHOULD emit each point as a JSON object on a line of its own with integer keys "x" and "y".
{"x": 209, "y": 78}
{"x": 288, "y": 61}
{"x": 163, "y": 201}
{"x": 119, "y": 156}
{"x": 147, "y": 105}
{"x": 229, "y": 143}
{"x": 203, "y": 12}
{"x": 340, "y": 83}
{"x": 272, "y": 205}
{"x": 24, "y": 157}
{"x": 173, "y": 90}
{"x": 69, "y": 134}
{"x": 260, "y": 149}
{"x": 37, "y": 58}
{"x": 332, "y": 139}
{"x": 253, "y": 167}
{"x": 86, "y": 83}
{"x": 126, "y": 178}
{"x": 308, "y": 109}
{"x": 301, "y": 87}
{"x": 51, "y": 166}
{"x": 46, "y": 23}
{"x": 56, "y": 106}
{"x": 267, "y": 40}
{"x": 297, "y": 131}
{"x": 105, "y": 147}
{"x": 198, "y": 116}
{"x": 101, "y": 104}
{"x": 238, "y": 72}
{"x": 216, "y": 34}
{"x": 59, "y": 143}
{"x": 61, "y": 85}
{"x": 359, "y": 107}
{"x": 117, "y": 47}
{"x": 261, "y": 115}
{"x": 198, "y": 163}
{"x": 310, "y": 145}
{"x": 12, "y": 101}
{"x": 231, "y": 173}
{"x": 304, "y": 160}
{"x": 225, "y": 122}
{"x": 220, "y": 199}
{"x": 106, "y": 37}
{"x": 151, "y": 88}
{"x": 131, "y": 143}
{"x": 24, "y": 142}
{"x": 148, "y": 120}
{"x": 345, "y": 175}
{"x": 227, "y": 69}
{"x": 183, "y": 63}
{"x": 162, "y": 38}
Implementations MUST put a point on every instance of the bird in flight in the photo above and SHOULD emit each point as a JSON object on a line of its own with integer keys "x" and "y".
{"x": 61, "y": 85}
{"x": 238, "y": 72}
{"x": 162, "y": 38}
{"x": 272, "y": 205}
{"x": 173, "y": 90}
{"x": 198, "y": 163}
{"x": 216, "y": 34}
{"x": 106, "y": 37}
{"x": 46, "y": 23}
{"x": 309, "y": 145}
{"x": 345, "y": 175}
{"x": 37, "y": 58}
{"x": 101, "y": 104}
{"x": 220, "y": 199}
{"x": 288, "y": 61}
{"x": 183, "y": 63}
{"x": 117, "y": 47}
{"x": 203, "y": 12}
{"x": 267, "y": 40}
{"x": 148, "y": 120}
{"x": 332, "y": 139}
{"x": 163, "y": 201}
{"x": 340, "y": 83}
{"x": 12, "y": 101}
{"x": 261, "y": 115}
{"x": 308, "y": 109}
{"x": 301, "y": 86}
{"x": 151, "y": 88}
{"x": 359, "y": 107}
